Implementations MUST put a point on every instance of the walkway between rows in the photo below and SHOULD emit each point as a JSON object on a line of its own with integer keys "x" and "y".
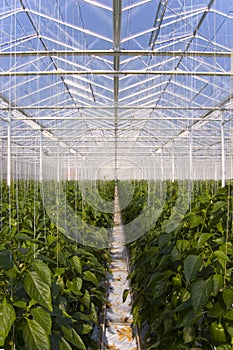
{"x": 118, "y": 318}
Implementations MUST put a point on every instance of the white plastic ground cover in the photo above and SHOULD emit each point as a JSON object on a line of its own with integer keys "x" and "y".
{"x": 118, "y": 331}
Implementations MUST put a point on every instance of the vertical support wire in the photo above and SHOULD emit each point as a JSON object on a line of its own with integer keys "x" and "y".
{"x": 57, "y": 184}
{"x": 173, "y": 163}
{"x": 68, "y": 166}
{"x": 223, "y": 170}
{"x": 9, "y": 125}
{"x": 190, "y": 184}
{"x": 41, "y": 156}
{"x": 191, "y": 154}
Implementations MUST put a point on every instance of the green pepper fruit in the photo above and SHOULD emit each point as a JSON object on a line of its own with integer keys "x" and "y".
{"x": 176, "y": 281}
{"x": 174, "y": 300}
{"x": 217, "y": 332}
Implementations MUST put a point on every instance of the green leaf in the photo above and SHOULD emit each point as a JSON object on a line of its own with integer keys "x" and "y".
{"x": 76, "y": 263}
{"x": 32, "y": 302}
{"x": 59, "y": 271}
{"x": 93, "y": 314}
{"x": 160, "y": 288}
{"x": 220, "y": 254}
{"x": 218, "y": 205}
{"x": 21, "y": 304}
{"x": 173, "y": 222}
{"x": 6, "y": 260}
{"x": 86, "y": 328}
{"x": 51, "y": 239}
{"x": 195, "y": 220}
{"x": 218, "y": 283}
{"x": 203, "y": 239}
{"x": 229, "y": 315}
{"x": 23, "y": 237}
{"x": 222, "y": 257}
{"x": 62, "y": 230}
{"x": 188, "y": 334}
{"x": 13, "y": 272}
{"x": 43, "y": 318}
{"x": 220, "y": 227}
{"x": 28, "y": 231}
{"x": 86, "y": 299}
{"x": 64, "y": 345}
{"x": 227, "y": 248}
{"x": 182, "y": 245}
{"x": 76, "y": 285}
{"x": 229, "y": 328}
{"x": 47, "y": 259}
{"x": 164, "y": 239}
{"x": 192, "y": 265}
{"x": 175, "y": 254}
{"x": 43, "y": 271}
{"x": 7, "y": 318}
{"x": 125, "y": 294}
{"x": 35, "y": 337}
{"x": 187, "y": 319}
{"x": 81, "y": 316}
{"x": 227, "y": 296}
{"x": 217, "y": 310}
{"x": 219, "y": 240}
{"x": 200, "y": 293}
{"x": 167, "y": 322}
{"x": 154, "y": 346}
{"x": 184, "y": 306}
{"x": 72, "y": 336}
{"x": 38, "y": 290}
{"x": 91, "y": 277}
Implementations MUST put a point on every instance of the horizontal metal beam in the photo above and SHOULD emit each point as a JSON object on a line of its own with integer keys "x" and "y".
{"x": 106, "y": 119}
{"x": 103, "y": 119}
{"x": 116, "y": 73}
{"x": 26, "y": 149}
{"x": 110, "y": 138}
{"x": 115, "y": 53}
{"x": 120, "y": 107}
{"x": 196, "y": 157}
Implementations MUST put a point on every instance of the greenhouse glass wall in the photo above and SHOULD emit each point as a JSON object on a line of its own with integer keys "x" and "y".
{"x": 116, "y": 146}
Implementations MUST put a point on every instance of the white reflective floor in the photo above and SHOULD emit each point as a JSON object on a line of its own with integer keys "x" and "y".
{"x": 118, "y": 332}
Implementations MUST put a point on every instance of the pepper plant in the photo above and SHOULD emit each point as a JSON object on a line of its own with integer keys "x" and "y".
{"x": 181, "y": 273}
{"x": 51, "y": 289}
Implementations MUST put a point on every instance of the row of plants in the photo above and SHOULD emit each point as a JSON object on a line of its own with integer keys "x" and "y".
{"x": 182, "y": 269}
{"x": 51, "y": 288}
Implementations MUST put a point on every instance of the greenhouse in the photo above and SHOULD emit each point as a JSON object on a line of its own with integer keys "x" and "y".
{"x": 116, "y": 174}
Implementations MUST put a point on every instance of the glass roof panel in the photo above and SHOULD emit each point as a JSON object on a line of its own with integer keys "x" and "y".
{"x": 143, "y": 75}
